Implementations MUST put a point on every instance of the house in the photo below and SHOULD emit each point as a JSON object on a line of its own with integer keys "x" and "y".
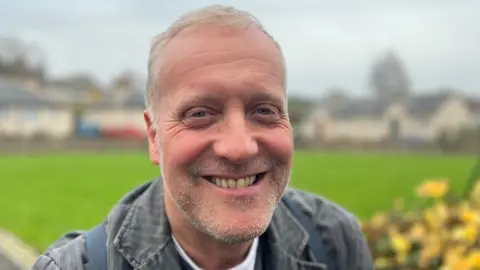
{"x": 72, "y": 91}
{"x": 18, "y": 70}
{"x": 113, "y": 113}
{"x": 425, "y": 117}
{"x": 23, "y": 114}
{"x": 349, "y": 120}
{"x": 474, "y": 106}
{"x": 416, "y": 118}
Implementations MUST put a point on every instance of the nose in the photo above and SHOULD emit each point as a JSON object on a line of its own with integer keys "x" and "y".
{"x": 235, "y": 142}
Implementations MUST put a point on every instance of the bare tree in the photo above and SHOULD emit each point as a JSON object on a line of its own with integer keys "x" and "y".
{"x": 299, "y": 108}
{"x": 79, "y": 81}
{"x": 19, "y": 59}
{"x": 125, "y": 81}
{"x": 389, "y": 78}
{"x": 336, "y": 96}
{"x": 10, "y": 49}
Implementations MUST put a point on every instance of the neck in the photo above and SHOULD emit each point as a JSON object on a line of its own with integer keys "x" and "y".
{"x": 207, "y": 252}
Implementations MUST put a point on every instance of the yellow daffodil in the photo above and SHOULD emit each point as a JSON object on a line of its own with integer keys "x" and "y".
{"x": 461, "y": 264}
{"x": 469, "y": 216}
{"x": 441, "y": 211}
{"x": 453, "y": 255}
{"x": 379, "y": 220}
{"x": 400, "y": 243}
{"x": 449, "y": 230}
{"x": 433, "y": 189}
{"x": 432, "y": 220}
{"x": 471, "y": 233}
{"x": 428, "y": 253}
{"x": 382, "y": 263}
{"x": 417, "y": 232}
{"x": 475, "y": 193}
{"x": 474, "y": 259}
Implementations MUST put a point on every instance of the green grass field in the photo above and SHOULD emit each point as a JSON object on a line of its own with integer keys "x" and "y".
{"x": 42, "y": 197}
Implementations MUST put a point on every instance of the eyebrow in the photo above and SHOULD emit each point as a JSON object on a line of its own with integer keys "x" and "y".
{"x": 201, "y": 98}
{"x": 211, "y": 93}
{"x": 266, "y": 97}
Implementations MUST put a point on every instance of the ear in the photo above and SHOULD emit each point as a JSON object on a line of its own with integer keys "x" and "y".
{"x": 151, "y": 136}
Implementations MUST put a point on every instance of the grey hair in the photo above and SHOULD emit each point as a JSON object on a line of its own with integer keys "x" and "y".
{"x": 217, "y": 15}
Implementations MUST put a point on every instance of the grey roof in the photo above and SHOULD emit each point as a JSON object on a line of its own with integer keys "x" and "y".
{"x": 422, "y": 106}
{"x": 474, "y": 105}
{"x": 72, "y": 94}
{"x": 419, "y": 106}
{"x": 18, "y": 95}
{"x": 104, "y": 103}
{"x": 135, "y": 100}
{"x": 360, "y": 108}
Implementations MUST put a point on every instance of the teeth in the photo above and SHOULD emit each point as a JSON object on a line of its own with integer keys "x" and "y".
{"x": 241, "y": 183}
{"x": 234, "y": 183}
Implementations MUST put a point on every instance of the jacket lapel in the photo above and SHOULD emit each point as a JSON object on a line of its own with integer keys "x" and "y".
{"x": 144, "y": 237}
{"x": 287, "y": 243}
{"x": 167, "y": 258}
{"x": 283, "y": 261}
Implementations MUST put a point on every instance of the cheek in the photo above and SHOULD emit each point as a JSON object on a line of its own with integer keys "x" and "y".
{"x": 183, "y": 149}
{"x": 279, "y": 143}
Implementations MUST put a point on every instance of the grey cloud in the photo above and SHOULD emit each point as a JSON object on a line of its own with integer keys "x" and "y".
{"x": 326, "y": 43}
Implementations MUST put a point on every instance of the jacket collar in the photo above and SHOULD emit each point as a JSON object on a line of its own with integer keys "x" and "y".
{"x": 144, "y": 237}
{"x": 145, "y": 230}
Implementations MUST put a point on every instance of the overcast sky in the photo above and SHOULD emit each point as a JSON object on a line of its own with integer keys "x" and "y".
{"x": 326, "y": 43}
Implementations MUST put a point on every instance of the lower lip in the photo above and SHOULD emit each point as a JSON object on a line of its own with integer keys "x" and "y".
{"x": 240, "y": 192}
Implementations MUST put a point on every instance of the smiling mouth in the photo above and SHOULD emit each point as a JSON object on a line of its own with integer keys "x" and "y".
{"x": 243, "y": 182}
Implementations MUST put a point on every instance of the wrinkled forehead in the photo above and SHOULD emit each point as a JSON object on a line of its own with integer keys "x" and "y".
{"x": 198, "y": 50}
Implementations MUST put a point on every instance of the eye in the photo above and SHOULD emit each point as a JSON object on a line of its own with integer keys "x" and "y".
{"x": 266, "y": 114}
{"x": 199, "y": 117}
{"x": 264, "y": 111}
{"x": 199, "y": 114}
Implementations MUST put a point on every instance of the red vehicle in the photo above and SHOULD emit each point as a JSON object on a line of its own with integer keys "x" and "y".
{"x": 123, "y": 133}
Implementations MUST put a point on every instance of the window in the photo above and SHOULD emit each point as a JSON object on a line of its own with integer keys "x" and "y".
{"x": 3, "y": 114}
{"x": 30, "y": 115}
{"x": 394, "y": 128}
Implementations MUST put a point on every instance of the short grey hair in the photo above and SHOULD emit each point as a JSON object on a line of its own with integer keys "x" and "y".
{"x": 217, "y": 15}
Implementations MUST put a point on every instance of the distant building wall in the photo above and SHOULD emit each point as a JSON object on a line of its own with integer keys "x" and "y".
{"x": 116, "y": 118}
{"x": 29, "y": 122}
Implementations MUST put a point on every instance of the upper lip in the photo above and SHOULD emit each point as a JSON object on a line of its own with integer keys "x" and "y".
{"x": 233, "y": 176}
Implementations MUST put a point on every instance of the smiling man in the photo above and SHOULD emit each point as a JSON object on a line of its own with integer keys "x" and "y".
{"x": 216, "y": 113}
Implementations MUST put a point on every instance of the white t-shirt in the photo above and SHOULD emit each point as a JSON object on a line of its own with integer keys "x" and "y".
{"x": 247, "y": 264}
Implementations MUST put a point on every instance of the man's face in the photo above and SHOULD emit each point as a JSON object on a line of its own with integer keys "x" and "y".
{"x": 223, "y": 139}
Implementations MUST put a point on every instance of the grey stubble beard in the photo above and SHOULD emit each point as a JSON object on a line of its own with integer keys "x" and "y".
{"x": 206, "y": 222}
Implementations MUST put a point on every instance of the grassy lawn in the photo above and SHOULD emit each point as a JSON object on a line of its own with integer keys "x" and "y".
{"x": 42, "y": 197}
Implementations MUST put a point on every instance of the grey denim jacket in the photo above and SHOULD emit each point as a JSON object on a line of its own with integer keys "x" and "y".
{"x": 138, "y": 236}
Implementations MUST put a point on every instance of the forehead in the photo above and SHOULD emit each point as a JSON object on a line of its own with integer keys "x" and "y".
{"x": 223, "y": 57}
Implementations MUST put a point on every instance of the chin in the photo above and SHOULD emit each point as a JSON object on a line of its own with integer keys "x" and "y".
{"x": 241, "y": 228}
{"x": 240, "y": 234}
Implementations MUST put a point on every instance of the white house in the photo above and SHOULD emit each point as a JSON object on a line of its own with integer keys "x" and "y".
{"x": 421, "y": 117}
{"x": 25, "y": 114}
{"x": 126, "y": 112}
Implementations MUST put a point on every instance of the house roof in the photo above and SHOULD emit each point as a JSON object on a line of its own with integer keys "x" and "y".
{"x": 136, "y": 99}
{"x": 419, "y": 106}
{"x": 422, "y": 106}
{"x": 474, "y": 105}
{"x": 133, "y": 100}
{"x": 357, "y": 108}
{"x": 19, "y": 95}
{"x": 71, "y": 94}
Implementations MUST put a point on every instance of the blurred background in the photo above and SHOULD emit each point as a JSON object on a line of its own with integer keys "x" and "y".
{"x": 383, "y": 95}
